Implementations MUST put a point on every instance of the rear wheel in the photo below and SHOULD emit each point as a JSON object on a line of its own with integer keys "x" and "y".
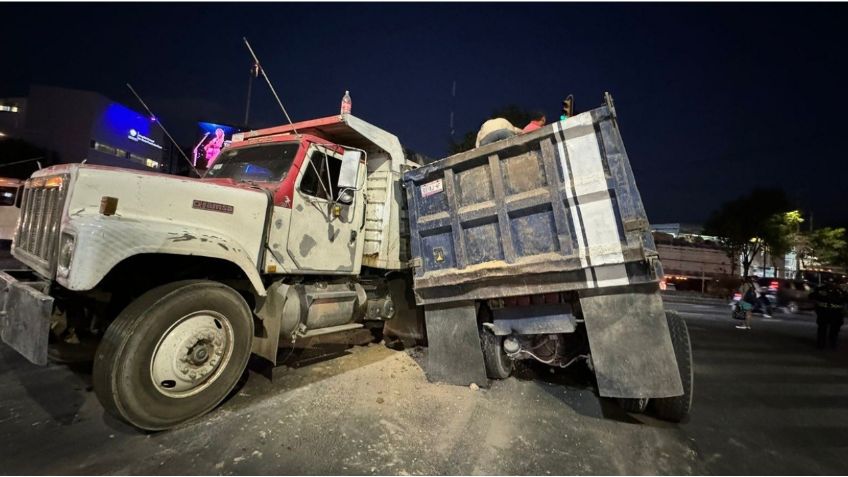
{"x": 676, "y": 408}
{"x": 634, "y": 405}
{"x": 498, "y": 364}
{"x": 173, "y": 354}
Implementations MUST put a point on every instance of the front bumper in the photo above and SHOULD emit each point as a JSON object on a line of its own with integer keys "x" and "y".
{"x": 25, "y": 311}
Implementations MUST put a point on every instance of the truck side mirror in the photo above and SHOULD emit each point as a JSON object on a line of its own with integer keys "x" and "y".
{"x": 350, "y": 170}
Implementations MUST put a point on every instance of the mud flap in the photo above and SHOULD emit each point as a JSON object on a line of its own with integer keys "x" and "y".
{"x": 455, "y": 354}
{"x": 631, "y": 347}
{"x": 25, "y": 317}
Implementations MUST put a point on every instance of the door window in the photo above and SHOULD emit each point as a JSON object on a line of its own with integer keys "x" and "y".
{"x": 321, "y": 176}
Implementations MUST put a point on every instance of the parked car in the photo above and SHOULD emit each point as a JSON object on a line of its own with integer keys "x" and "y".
{"x": 9, "y": 209}
{"x": 815, "y": 278}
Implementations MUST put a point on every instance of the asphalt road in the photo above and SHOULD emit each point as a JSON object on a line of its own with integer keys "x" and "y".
{"x": 766, "y": 402}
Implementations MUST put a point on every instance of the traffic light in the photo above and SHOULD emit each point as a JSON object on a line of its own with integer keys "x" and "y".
{"x": 567, "y": 107}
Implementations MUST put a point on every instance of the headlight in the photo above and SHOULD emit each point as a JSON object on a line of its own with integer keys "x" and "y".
{"x": 66, "y": 253}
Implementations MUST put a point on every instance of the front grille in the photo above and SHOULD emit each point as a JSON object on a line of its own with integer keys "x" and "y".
{"x": 37, "y": 237}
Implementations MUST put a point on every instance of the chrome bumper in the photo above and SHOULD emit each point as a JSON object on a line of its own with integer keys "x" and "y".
{"x": 25, "y": 312}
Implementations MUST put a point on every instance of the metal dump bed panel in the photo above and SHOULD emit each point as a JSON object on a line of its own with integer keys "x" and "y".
{"x": 553, "y": 210}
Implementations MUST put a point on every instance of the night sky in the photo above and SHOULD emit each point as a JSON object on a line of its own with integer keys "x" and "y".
{"x": 713, "y": 100}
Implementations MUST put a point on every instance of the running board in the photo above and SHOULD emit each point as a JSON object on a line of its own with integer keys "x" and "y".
{"x": 332, "y": 329}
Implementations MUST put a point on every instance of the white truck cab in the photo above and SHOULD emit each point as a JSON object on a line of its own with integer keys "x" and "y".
{"x": 295, "y": 231}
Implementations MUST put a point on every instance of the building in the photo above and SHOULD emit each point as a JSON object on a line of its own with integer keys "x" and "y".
{"x": 766, "y": 265}
{"x": 694, "y": 261}
{"x": 690, "y": 260}
{"x": 12, "y": 117}
{"x": 76, "y": 126}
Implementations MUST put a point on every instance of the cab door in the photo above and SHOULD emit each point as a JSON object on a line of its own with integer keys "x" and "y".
{"x": 325, "y": 232}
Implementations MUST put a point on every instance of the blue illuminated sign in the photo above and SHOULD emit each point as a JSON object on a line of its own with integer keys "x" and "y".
{"x": 135, "y": 136}
{"x": 121, "y": 121}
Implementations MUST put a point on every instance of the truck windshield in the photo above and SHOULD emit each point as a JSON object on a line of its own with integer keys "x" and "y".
{"x": 262, "y": 163}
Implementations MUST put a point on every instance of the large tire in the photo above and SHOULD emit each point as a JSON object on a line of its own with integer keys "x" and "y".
{"x": 498, "y": 364}
{"x": 633, "y": 405}
{"x": 173, "y": 354}
{"x": 677, "y": 408}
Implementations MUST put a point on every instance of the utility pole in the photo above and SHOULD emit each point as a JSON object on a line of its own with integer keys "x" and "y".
{"x": 254, "y": 72}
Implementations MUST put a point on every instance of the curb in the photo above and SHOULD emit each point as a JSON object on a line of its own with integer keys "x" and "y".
{"x": 698, "y": 300}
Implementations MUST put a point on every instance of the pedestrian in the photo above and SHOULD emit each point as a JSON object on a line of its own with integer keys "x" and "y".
{"x": 762, "y": 299}
{"x": 830, "y": 312}
{"x": 494, "y": 130}
{"x": 537, "y": 120}
{"x": 748, "y": 292}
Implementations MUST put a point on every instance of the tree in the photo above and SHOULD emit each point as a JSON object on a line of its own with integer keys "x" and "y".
{"x": 787, "y": 228}
{"x": 517, "y": 115}
{"x": 826, "y": 246}
{"x": 747, "y": 224}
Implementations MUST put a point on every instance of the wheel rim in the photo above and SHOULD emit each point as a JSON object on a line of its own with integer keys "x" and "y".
{"x": 192, "y": 354}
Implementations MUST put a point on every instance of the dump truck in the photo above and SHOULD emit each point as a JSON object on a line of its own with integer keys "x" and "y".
{"x": 537, "y": 247}
{"x": 296, "y": 231}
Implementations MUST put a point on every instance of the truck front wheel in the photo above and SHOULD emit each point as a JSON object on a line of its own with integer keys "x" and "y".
{"x": 173, "y": 354}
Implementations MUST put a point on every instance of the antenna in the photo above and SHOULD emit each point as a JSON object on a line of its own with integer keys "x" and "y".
{"x": 254, "y": 72}
{"x": 34, "y": 159}
{"x": 453, "y": 106}
{"x": 273, "y": 91}
{"x": 156, "y": 119}
{"x": 194, "y": 151}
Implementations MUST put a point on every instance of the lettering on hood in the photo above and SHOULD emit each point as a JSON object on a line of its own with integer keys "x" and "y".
{"x": 213, "y": 206}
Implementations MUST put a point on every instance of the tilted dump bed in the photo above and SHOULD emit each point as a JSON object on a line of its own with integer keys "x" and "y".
{"x": 553, "y": 210}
